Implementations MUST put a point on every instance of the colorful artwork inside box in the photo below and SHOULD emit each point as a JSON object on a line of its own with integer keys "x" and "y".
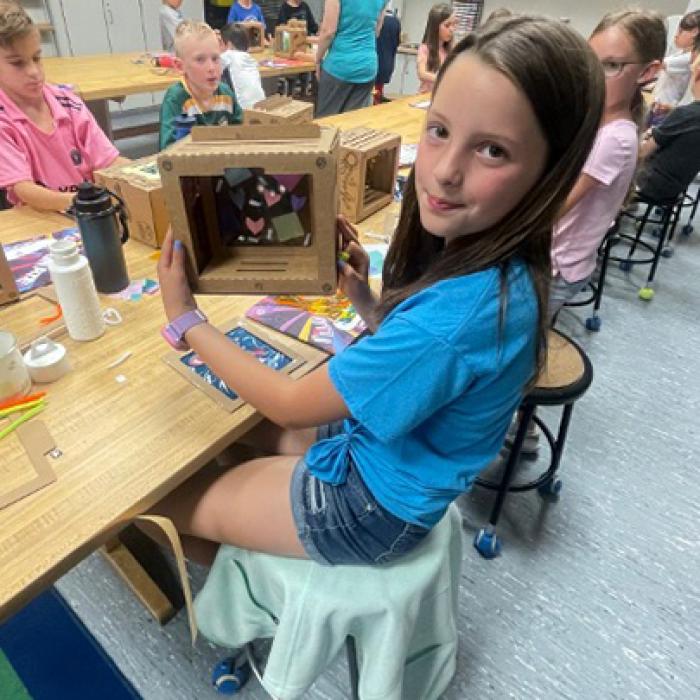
{"x": 28, "y": 259}
{"x": 262, "y": 351}
{"x": 328, "y": 323}
{"x": 259, "y": 209}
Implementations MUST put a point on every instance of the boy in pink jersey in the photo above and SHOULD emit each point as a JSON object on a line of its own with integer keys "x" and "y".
{"x": 49, "y": 140}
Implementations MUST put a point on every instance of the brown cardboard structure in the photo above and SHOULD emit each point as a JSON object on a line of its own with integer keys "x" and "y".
{"x": 256, "y": 36}
{"x": 290, "y": 38}
{"x": 8, "y": 288}
{"x": 255, "y": 207}
{"x": 278, "y": 109}
{"x": 367, "y": 165}
{"x": 138, "y": 184}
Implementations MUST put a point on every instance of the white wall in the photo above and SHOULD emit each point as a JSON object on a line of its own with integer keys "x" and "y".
{"x": 583, "y": 15}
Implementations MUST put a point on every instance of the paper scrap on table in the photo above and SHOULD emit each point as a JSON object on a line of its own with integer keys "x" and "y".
{"x": 423, "y": 104}
{"x": 136, "y": 289}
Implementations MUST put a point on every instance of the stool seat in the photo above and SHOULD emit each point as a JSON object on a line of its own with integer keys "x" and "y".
{"x": 401, "y": 616}
{"x": 567, "y": 373}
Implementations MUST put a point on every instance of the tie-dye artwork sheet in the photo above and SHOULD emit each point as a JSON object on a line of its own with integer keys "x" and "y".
{"x": 328, "y": 323}
{"x": 28, "y": 259}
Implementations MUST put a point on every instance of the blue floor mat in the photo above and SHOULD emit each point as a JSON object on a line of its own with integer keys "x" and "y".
{"x": 56, "y": 658}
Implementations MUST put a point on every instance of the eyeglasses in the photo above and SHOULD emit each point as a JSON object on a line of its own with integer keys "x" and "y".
{"x": 611, "y": 69}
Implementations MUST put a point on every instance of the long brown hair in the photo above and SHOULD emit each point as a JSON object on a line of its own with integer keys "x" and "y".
{"x": 563, "y": 81}
{"x": 647, "y": 32}
{"x": 431, "y": 37}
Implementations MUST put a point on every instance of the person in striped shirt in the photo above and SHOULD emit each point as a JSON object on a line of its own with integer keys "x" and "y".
{"x": 200, "y": 92}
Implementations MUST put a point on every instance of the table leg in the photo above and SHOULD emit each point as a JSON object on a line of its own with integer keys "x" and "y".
{"x": 100, "y": 110}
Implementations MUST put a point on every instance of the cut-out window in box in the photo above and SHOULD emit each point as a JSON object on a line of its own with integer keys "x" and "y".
{"x": 256, "y": 216}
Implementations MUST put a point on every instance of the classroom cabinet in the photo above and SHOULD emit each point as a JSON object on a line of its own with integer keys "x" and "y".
{"x": 85, "y": 27}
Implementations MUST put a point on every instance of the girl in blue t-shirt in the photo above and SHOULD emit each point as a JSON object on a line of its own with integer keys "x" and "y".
{"x": 410, "y": 414}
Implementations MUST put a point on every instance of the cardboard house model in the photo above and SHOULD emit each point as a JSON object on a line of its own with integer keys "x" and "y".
{"x": 256, "y": 36}
{"x": 367, "y": 166}
{"x": 277, "y": 109}
{"x": 290, "y": 38}
{"x": 255, "y": 207}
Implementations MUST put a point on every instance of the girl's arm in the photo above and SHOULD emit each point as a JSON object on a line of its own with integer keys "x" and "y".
{"x": 309, "y": 401}
{"x": 583, "y": 186}
{"x": 329, "y": 26}
{"x": 41, "y": 197}
{"x": 648, "y": 145}
{"x": 424, "y": 75}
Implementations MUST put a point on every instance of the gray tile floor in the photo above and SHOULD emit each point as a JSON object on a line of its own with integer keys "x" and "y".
{"x": 595, "y": 596}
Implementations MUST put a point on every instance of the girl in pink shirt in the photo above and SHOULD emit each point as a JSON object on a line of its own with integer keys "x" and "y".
{"x": 49, "y": 140}
{"x": 437, "y": 42}
{"x": 630, "y": 45}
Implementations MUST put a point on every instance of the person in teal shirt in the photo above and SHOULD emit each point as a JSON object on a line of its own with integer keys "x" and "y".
{"x": 346, "y": 62}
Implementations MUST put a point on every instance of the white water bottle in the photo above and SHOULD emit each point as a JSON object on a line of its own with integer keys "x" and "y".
{"x": 75, "y": 289}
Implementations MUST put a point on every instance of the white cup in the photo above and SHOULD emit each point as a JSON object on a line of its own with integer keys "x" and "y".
{"x": 46, "y": 361}
{"x": 14, "y": 377}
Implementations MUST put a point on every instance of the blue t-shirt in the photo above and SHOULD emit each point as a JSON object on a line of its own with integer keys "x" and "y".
{"x": 352, "y": 56}
{"x": 241, "y": 14}
{"x": 432, "y": 392}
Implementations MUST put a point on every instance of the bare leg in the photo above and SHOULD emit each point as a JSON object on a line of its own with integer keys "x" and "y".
{"x": 247, "y": 506}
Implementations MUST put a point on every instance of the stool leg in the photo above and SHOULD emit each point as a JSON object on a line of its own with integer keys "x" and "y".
{"x": 647, "y": 292}
{"x": 593, "y": 322}
{"x": 351, "y": 651}
{"x": 640, "y": 227}
{"x": 551, "y": 486}
{"x": 486, "y": 541}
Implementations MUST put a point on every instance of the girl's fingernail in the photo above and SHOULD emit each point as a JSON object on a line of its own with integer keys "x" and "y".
{"x": 178, "y": 245}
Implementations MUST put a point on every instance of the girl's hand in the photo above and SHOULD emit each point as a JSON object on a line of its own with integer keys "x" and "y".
{"x": 353, "y": 274}
{"x": 174, "y": 287}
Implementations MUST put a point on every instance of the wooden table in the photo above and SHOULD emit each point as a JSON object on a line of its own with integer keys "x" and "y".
{"x": 125, "y": 445}
{"x": 104, "y": 77}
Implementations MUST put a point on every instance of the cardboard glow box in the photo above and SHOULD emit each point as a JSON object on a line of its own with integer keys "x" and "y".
{"x": 138, "y": 184}
{"x": 255, "y": 207}
{"x": 279, "y": 110}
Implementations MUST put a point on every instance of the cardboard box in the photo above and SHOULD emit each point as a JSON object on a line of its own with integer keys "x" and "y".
{"x": 255, "y": 207}
{"x": 279, "y": 110}
{"x": 368, "y": 161}
{"x": 256, "y": 36}
{"x": 290, "y": 38}
{"x": 138, "y": 184}
{"x": 8, "y": 288}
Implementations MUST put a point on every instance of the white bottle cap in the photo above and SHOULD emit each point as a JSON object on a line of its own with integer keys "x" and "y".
{"x": 64, "y": 253}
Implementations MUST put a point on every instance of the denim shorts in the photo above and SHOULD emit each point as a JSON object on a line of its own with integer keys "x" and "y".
{"x": 344, "y": 524}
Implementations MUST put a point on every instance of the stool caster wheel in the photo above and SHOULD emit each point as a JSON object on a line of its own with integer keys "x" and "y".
{"x": 658, "y": 211}
{"x": 646, "y": 293}
{"x": 550, "y": 488}
{"x": 487, "y": 544}
{"x": 625, "y": 265}
{"x": 593, "y": 323}
{"x": 687, "y": 230}
{"x": 228, "y": 677}
{"x": 656, "y": 232}
{"x": 667, "y": 251}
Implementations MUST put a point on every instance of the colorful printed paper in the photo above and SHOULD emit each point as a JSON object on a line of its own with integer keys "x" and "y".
{"x": 28, "y": 259}
{"x": 328, "y": 323}
{"x": 136, "y": 289}
{"x": 264, "y": 353}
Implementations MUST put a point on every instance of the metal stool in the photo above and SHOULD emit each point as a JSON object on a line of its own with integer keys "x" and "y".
{"x": 669, "y": 215}
{"x": 567, "y": 375}
{"x": 594, "y": 322}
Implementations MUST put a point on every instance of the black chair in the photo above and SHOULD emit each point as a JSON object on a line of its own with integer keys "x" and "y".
{"x": 565, "y": 379}
{"x": 4, "y": 204}
{"x": 668, "y": 214}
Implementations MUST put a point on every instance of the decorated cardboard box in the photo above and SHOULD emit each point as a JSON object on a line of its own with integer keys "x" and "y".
{"x": 256, "y": 36}
{"x": 138, "y": 184}
{"x": 8, "y": 288}
{"x": 290, "y": 38}
{"x": 367, "y": 165}
{"x": 255, "y": 207}
{"x": 278, "y": 109}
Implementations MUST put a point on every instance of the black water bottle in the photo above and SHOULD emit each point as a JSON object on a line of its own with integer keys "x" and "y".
{"x": 101, "y": 218}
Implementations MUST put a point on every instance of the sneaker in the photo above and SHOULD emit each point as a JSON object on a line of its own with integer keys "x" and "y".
{"x": 531, "y": 443}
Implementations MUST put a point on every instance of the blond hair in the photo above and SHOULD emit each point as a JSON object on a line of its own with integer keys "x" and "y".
{"x": 191, "y": 28}
{"x": 15, "y": 23}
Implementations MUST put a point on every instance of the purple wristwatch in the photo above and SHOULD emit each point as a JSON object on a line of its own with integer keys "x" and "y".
{"x": 174, "y": 332}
